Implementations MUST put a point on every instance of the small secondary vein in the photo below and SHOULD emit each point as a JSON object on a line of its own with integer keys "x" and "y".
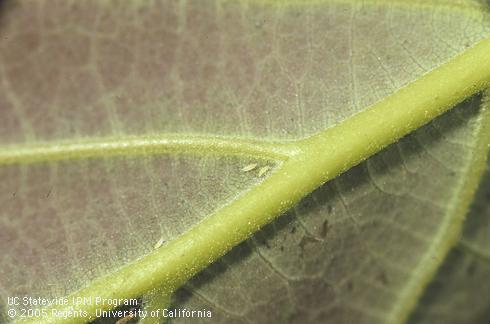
{"x": 145, "y": 145}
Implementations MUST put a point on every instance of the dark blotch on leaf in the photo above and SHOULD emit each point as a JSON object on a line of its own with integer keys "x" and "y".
{"x": 306, "y": 240}
{"x": 350, "y": 286}
{"x": 383, "y": 278}
{"x": 324, "y": 229}
{"x": 265, "y": 243}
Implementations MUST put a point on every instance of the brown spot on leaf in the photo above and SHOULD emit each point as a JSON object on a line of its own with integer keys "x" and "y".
{"x": 265, "y": 243}
{"x": 324, "y": 229}
{"x": 307, "y": 240}
{"x": 382, "y": 278}
{"x": 350, "y": 286}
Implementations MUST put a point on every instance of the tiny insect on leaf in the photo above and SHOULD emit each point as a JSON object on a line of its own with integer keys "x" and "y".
{"x": 249, "y": 167}
{"x": 263, "y": 170}
{"x": 159, "y": 243}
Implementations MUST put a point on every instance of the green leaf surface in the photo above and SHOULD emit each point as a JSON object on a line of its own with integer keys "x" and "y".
{"x": 133, "y": 77}
{"x": 459, "y": 293}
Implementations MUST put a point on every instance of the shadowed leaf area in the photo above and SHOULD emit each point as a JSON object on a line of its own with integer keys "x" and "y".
{"x": 353, "y": 251}
{"x": 459, "y": 293}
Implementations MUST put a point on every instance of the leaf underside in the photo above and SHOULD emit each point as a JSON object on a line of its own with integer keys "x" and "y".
{"x": 458, "y": 293}
{"x": 345, "y": 254}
